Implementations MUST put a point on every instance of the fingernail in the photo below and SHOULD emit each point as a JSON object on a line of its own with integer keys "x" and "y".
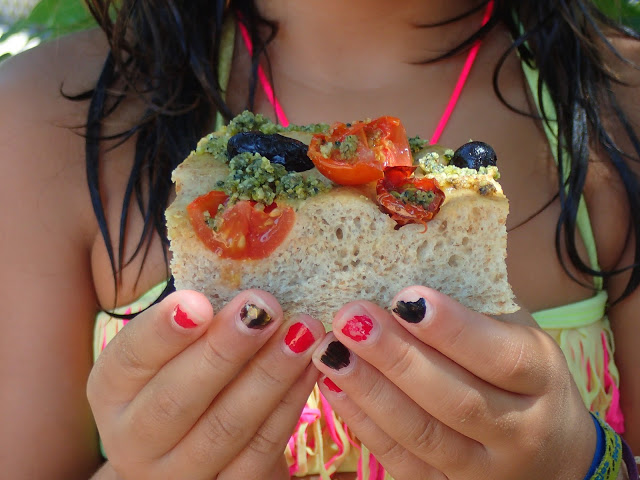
{"x": 182, "y": 319}
{"x": 336, "y": 356}
{"x": 254, "y": 317}
{"x": 331, "y": 386}
{"x": 412, "y": 312}
{"x": 358, "y": 327}
{"x": 299, "y": 338}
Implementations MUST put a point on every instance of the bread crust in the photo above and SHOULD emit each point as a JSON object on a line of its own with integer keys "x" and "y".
{"x": 343, "y": 248}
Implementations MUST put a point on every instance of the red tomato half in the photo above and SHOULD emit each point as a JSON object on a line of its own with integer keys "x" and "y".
{"x": 399, "y": 179}
{"x": 247, "y": 230}
{"x": 357, "y": 153}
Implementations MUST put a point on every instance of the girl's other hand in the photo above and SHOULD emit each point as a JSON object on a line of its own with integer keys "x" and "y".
{"x": 440, "y": 392}
{"x": 181, "y": 393}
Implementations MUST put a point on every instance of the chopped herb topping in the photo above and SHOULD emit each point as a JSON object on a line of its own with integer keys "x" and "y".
{"x": 250, "y": 122}
{"x": 254, "y": 177}
{"x": 431, "y": 165}
{"x": 213, "y": 144}
{"x": 216, "y": 143}
{"x": 415, "y": 197}
{"x": 347, "y": 148}
{"x": 416, "y": 144}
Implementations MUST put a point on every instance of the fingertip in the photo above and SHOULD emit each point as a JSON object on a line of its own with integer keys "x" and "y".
{"x": 416, "y": 292}
{"x": 329, "y": 388}
{"x": 415, "y": 305}
{"x": 266, "y": 300}
{"x": 316, "y": 326}
{"x": 332, "y": 354}
{"x": 188, "y": 309}
{"x": 254, "y": 310}
{"x": 303, "y": 332}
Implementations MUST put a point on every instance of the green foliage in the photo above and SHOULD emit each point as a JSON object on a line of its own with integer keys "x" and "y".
{"x": 626, "y": 12}
{"x": 51, "y": 18}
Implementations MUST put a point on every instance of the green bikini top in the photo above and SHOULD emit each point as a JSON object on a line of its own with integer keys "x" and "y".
{"x": 590, "y": 310}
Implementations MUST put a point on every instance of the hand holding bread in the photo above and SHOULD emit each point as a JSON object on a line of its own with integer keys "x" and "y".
{"x": 438, "y": 391}
{"x": 185, "y": 392}
{"x": 377, "y": 213}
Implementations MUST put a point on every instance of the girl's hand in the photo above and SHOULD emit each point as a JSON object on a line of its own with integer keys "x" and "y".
{"x": 181, "y": 393}
{"x": 447, "y": 393}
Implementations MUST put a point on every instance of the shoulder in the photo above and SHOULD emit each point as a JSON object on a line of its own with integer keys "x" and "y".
{"x": 41, "y": 141}
{"x": 72, "y": 58}
{"x": 46, "y": 280}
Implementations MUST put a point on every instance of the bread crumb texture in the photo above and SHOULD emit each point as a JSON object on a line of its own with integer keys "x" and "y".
{"x": 343, "y": 248}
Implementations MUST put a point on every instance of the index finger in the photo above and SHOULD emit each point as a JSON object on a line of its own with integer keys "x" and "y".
{"x": 515, "y": 357}
{"x": 145, "y": 345}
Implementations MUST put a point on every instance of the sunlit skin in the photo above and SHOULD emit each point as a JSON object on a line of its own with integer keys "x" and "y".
{"x": 56, "y": 270}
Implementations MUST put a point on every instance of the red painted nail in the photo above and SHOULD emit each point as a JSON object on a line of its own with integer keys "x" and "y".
{"x": 182, "y": 319}
{"x": 358, "y": 328}
{"x": 299, "y": 338}
{"x": 330, "y": 385}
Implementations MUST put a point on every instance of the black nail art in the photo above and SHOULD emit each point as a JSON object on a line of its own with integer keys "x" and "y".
{"x": 254, "y": 317}
{"x": 335, "y": 356}
{"x": 412, "y": 312}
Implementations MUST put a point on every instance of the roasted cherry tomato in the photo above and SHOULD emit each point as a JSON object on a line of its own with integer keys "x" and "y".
{"x": 245, "y": 230}
{"x": 408, "y": 199}
{"x": 357, "y": 153}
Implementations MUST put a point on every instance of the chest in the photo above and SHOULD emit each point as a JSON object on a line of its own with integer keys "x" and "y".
{"x": 527, "y": 169}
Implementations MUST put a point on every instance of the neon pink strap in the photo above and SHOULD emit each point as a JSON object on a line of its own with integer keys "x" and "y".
{"x": 462, "y": 79}
{"x": 264, "y": 81}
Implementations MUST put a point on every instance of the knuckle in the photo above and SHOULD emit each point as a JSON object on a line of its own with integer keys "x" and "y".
{"x": 375, "y": 391}
{"x": 453, "y": 334}
{"x": 402, "y": 364}
{"x": 392, "y": 453}
{"x": 426, "y": 437}
{"x": 528, "y": 361}
{"x": 469, "y": 407}
{"x": 520, "y": 365}
{"x": 130, "y": 358}
{"x": 220, "y": 426}
{"x": 167, "y": 406}
{"x": 264, "y": 445}
{"x": 215, "y": 357}
{"x": 535, "y": 362}
{"x": 359, "y": 417}
{"x": 267, "y": 377}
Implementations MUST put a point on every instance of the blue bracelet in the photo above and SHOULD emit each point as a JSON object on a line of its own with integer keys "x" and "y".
{"x": 608, "y": 457}
{"x": 597, "y": 456}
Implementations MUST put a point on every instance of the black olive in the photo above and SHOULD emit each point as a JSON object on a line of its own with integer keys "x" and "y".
{"x": 474, "y": 155}
{"x": 290, "y": 153}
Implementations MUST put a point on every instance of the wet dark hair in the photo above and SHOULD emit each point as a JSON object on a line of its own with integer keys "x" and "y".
{"x": 168, "y": 54}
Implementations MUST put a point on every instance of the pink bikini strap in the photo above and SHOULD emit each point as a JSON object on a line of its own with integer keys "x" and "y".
{"x": 462, "y": 79}
{"x": 264, "y": 81}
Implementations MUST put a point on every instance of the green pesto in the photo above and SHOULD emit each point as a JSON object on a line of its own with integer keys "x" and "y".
{"x": 348, "y": 147}
{"x": 416, "y": 144}
{"x": 213, "y": 144}
{"x": 250, "y": 122}
{"x": 415, "y": 196}
{"x": 216, "y": 143}
{"x": 430, "y": 165}
{"x": 254, "y": 177}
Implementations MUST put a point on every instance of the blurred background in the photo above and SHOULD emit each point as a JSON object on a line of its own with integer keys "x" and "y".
{"x": 25, "y": 23}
